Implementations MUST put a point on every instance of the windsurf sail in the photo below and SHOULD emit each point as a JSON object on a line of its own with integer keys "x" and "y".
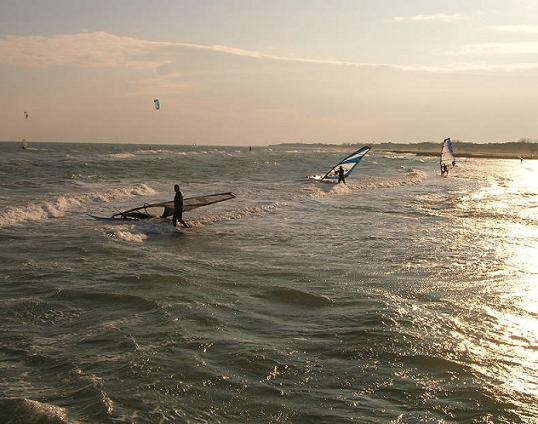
{"x": 165, "y": 209}
{"x": 347, "y": 164}
{"x": 447, "y": 154}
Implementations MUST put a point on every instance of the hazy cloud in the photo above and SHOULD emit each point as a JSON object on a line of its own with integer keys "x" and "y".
{"x": 97, "y": 49}
{"x": 511, "y": 48}
{"x": 436, "y": 17}
{"x": 527, "y": 29}
{"x": 101, "y": 49}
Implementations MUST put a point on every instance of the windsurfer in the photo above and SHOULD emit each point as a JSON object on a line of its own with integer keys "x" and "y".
{"x": 178, "y": 208}
{"x": 444, "y": 169}
{"x": 341, "y": 175}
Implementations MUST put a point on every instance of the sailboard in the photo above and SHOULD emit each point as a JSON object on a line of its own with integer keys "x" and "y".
{"x": 447, "y": 155}
{"x": 348, "y": 164}
{"x": 166, "y": 209}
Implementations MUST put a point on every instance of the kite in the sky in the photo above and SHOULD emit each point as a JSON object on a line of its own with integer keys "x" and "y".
{"x": 157, "y": 104}
{"x": 26, "y": 115}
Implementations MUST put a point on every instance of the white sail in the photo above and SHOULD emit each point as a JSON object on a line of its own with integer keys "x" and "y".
{"x": 447, "y": 154}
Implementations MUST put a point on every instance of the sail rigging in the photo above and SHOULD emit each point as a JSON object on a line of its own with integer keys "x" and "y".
{"x": 165, "y": 209}
{"x": 447, "y": 154}
{"x": 347, "y": 164}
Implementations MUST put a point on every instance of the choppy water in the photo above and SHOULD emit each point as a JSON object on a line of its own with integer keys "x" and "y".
{"x": 402, "y": 297}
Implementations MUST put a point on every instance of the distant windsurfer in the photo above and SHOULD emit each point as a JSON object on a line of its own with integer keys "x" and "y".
{"x": 444, "y": 169}
{"x": 178, "y": 208}
{"x": 341, "y": 175}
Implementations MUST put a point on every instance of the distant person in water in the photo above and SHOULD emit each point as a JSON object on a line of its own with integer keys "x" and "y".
{"x": 444, "y": 169}
{"x": 178, "y": 208}
{"x": 341, "y": 175}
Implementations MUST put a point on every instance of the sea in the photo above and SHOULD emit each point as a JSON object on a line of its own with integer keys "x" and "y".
{"x": 399, "y": 297}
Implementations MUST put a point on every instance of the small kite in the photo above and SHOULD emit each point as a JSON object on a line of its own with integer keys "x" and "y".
{"x": 26, "y": 115}
{"x": 157, "y": 104}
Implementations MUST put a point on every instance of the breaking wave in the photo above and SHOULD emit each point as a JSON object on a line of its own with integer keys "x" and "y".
{"x": 126, "y": 235}
{"x": 57, "y": 207}
{"x": 234, "y": 214}
{"x": 27, "y": 411}
{"x": 411, "y": 177}
{"x": 121, "y": 155}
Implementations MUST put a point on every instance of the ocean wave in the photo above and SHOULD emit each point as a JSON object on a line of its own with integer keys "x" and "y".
{"x": 121, "y": 155}
{"x": 126, "y": 235}
{"x": 234, "y": 214}
{"x": 56, "y": 208}
{"x": 295, "y": 296}
{"x": 399, "y": 155}
{"x": 104, "y": 299}
{"x": 148, "y": 152}
{"x": 94, "y": 386}
{"x": 35, "y": 149}
{"x": 411, "y": 177}
{"x": 152, "y": 151}
{"x": 36, "y": 312}
{"x": 27, "y": 411}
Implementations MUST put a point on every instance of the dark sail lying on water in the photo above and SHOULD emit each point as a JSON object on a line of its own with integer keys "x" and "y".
{"x": 165, "y": 209}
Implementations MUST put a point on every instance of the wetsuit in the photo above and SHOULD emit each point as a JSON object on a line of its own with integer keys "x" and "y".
{"x": 178, "y": 208}
{"x": 341, "y": 176}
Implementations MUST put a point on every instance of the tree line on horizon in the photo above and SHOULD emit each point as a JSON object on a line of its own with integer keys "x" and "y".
{"x": 523, "y": 147}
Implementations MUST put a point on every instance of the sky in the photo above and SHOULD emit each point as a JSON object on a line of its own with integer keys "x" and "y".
{"x": 238, "y": 72}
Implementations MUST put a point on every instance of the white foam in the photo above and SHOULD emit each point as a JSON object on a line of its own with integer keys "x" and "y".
{"x": 411, "y": 177}
{"x": 31, "y": 411}
{"x": 57, "y": 207}
{"x": 234, "y": 214}
{"x": 126, "y": 235}
{"x": 156, "y": 152}
{"x": 121, "y": 155}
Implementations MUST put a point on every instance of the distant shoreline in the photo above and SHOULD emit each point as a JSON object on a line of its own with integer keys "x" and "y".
{"x": 522, "y": 149}
{"x": 463, "y": 154}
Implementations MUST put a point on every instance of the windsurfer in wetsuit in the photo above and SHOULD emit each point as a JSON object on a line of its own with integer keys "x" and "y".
{"x": 341, "y": 175}
{"x": 178, "y": 208}
{"x": 444, "y": 169}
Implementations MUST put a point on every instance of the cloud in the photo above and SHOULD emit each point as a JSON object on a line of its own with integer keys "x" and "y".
{"x": 437, "y": 17}
{"x": 101, "y": 49}
{"x": 512, "y": 48}
{"x": 97, "y": 49}
{"x": 526, "y": 29}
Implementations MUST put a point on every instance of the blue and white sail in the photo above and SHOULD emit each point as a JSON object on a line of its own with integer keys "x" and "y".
{"x": 348, "y": 164}
{"x": 447, "y": 154}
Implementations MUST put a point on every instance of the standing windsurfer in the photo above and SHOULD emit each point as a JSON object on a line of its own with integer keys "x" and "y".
{"x": 341, "y": 175}
{"x": 444, "y": 169}
{"x": 178, "y": 208}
